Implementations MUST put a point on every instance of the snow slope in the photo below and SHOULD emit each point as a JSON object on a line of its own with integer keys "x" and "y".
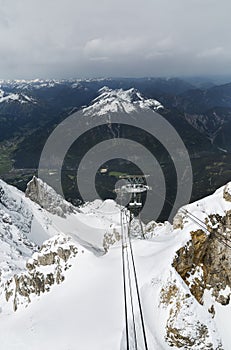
{"x": 120, "y": 100}
{"x": 10, "y": 97}
{"x": 86, "y": 310}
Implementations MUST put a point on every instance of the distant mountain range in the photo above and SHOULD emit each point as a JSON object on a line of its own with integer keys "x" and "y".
{"x": 30, "y": 110}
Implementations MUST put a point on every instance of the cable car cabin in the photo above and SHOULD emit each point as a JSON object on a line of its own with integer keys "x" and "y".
{"x": 135, "y": 204}
{"x": 135, "y": 188}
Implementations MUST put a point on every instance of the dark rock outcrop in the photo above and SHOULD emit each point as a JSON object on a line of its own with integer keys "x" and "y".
{"x": 204, "y": 263}
{"x": 45, "y": 196}
{"x": 45, "y": 269}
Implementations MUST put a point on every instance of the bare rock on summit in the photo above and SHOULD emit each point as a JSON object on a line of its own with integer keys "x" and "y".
{"x": 227, "y": 192}
{"x": 45, "y": 196}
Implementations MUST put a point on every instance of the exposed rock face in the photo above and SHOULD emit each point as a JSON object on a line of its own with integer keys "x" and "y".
{"x": 183, "y": 329}
{"x": 43, "y": 270}
{"x": 227, "y": 192}
{"x": 42, "y": 194}
{"x": 204, "y": 263}
{"x": 178, "y": 221}
{"x": 110, "y": 239}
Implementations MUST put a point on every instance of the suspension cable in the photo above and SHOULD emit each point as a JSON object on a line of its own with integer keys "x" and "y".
{"x": 205, "y": 227}
{"x": 217, "y": 235}
{"x": 130, "y": 290}
{"x": 137, "y": 290}
{"x": 125, "y": 222}
{"x": 124, "y": 285}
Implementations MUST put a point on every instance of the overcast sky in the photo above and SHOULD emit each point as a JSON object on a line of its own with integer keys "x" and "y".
{"x": 97, "y": 38}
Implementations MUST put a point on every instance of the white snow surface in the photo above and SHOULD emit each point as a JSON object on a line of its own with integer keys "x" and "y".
{"x": 119, "y": 100}
{"x": 27, "y": 85}
{"x": 9, "y": 97}
{"x": 86, "y": 311}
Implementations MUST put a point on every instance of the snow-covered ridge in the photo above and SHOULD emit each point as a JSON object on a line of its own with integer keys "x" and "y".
{"x": 22, "y": 226}
{"x": 119, "y": 100}
{"x": 70, "y": 273}
{"x": 43, "y": 270}
{"x": 18, "y": 97}
{"x": 43, "y": 215}
{"x": 22, "y": 84}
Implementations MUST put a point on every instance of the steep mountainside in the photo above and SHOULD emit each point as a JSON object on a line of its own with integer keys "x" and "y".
{"x": 209, "y": 111}
{"x": 127, "y": 101}
{"x": 70, "y": 287}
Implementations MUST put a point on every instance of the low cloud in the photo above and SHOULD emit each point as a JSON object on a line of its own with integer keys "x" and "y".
{"x": 108, "y": 38}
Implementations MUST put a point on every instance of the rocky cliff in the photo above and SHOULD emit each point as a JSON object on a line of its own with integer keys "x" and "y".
{"x": 43, "y": 270}
{"x": 204, "y": 262}
{"x": 42, "y": 194}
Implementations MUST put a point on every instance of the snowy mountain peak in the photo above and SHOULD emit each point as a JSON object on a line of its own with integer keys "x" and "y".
{"x": 119, "y": 100}
{"x": 11, "y": 97}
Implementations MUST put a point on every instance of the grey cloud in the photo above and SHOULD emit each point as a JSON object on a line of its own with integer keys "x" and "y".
{"x": 92, "y": 38}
